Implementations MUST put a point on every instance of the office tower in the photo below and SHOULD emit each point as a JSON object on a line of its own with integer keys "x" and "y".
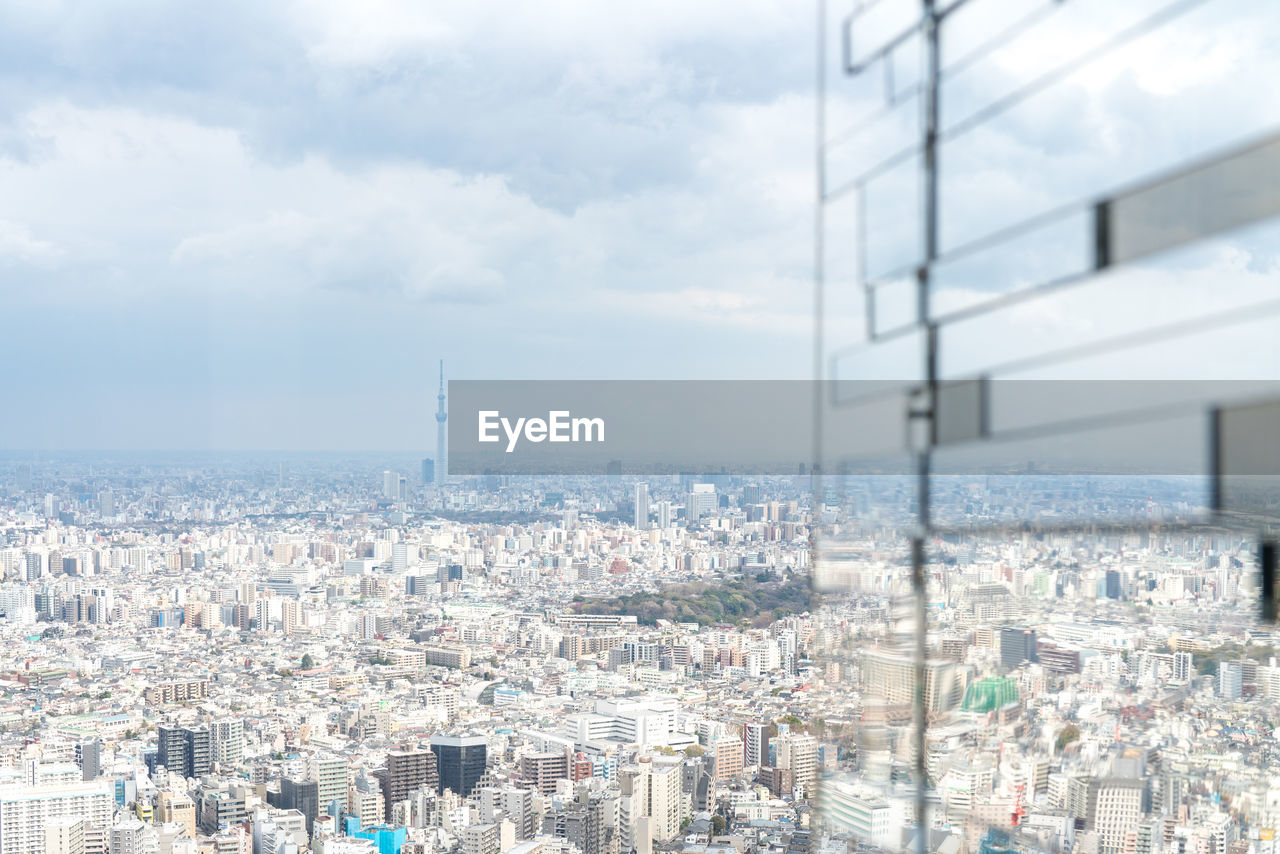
{"x": 542, "y": 770}
{"x": 441, "y": 417}
{"x": 391, "y": 485}
{"x": 462, "y": 761}
{"x": 89, "y": 758}
{"x": 106, "y": 504}
{"x": 406, "y": 771}
{"x": 303, "y": 796}
{"x": 664, "y": 514}
{"x": 1016, "y": 646}
{"x": 228, "y": 741}
{"x": 1230, "y": 680}
{"x": 1183, "y": 671}
{"x": 26, "y": 811}
{"x": 1113, "y": 584}
{"x": 399, "y": 557}
{"x": 755, "y": 744}
{"x": 701, "y": 500}
{"x": 641, "y": 520}
{"x": 428, "y": 471}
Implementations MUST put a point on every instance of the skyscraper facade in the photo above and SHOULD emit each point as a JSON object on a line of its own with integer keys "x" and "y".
{"x": 642, "y": 506}
{"x": 462, "y": 761}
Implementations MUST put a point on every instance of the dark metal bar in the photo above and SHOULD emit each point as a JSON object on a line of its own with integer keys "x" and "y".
{"x": 1267, "y": 564}
{"x": 1102, "y": 235}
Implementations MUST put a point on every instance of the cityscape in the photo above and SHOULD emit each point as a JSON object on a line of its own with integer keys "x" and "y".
{"x": 247, "y": 654}
{"x": 846, "y": 427}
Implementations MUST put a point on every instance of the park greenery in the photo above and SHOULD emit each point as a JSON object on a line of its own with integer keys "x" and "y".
{"x": 759, "y": 600}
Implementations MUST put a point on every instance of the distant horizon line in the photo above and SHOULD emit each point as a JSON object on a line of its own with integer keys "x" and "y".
{"x": 32, "y": 451}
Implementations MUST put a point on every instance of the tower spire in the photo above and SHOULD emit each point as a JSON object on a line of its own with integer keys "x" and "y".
{"x": 441, "y": 417}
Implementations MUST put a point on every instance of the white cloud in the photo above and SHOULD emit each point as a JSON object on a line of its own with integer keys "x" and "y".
{"x": 18, "y": 245}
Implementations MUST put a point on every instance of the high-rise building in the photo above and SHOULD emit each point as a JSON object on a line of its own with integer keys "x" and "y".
{"x": 664, "y": 514}
{"x": 1183, "y": 669}
{"x": 185, "y": 751}
{"x": 590, "y": 823}
{"x": 542, "y": 770}
{"x": 642, "y": 506}
{"x": 26, "y": 811}
{"x": 1230, "y": 680}
{"x": 227, "y": 737}
{"x": 407, "y": 770}
{"x": 1016, "y": 646}
{"x": 755, "y": 744}
{"x": 798, "y": 753}
{"x": 428, "y": 471}
{"x": 303, "y": 796}
{"x": 700, "y": 501}
{"x": 65, "y": 836}
{"x": 1113, "y": 584}
{"x": 330, "y": 773}
{"x": 462, "y": 761}
{"x": 365, "y": 801}
{"x": 1109, "y": 806}
{"x": 728, "y": 753}
{"x": 89, "y": 758}
{"x": 666, "y": 799}
{"x": 228, "y": 741}
{"x": 512, "y": 803}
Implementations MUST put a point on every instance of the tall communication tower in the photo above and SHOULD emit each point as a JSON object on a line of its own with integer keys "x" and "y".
{"x": 441, "y": 417}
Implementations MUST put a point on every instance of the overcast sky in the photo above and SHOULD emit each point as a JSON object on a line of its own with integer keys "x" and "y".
{"x": 259, "y": 225}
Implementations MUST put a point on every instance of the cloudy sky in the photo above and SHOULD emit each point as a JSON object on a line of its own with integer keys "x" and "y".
{"x": 259, "y": 225}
